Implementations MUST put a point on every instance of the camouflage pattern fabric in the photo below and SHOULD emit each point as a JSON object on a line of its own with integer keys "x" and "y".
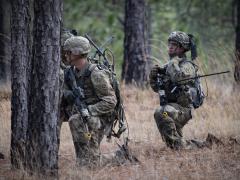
{"x": 180, "y": 37}
{"x": 170, "y": 120}
{"x": 86, "y": 149}
{"x": 104, "y": 91}
{"x": 101, "y": 101}
{"x": 172, "y": 117}
{"x": 179, "y": 69}
{"x": 77, "y": 45}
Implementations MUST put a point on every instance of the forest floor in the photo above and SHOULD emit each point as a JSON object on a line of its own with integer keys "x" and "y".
{"x": 219, "y": 116}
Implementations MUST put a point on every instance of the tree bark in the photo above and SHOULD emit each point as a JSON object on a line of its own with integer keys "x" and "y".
{"x": 5, "y": 43}
{"x": 149, "y": 36}
{"x": 42, "y": 144}
{"x": 237, "y": 62}
{"x": 2, "y": 44}
{"x": 135, "y": 52}
{"x": 20, "y": 42}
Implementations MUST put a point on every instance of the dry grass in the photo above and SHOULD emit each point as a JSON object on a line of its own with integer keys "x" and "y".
{"x": 219, "y": 115}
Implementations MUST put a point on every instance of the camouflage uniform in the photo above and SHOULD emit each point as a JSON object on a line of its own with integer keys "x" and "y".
{"x": 176, "y": 112}
{"x": 63, "y": 109}
{"x": 100, "y": 100}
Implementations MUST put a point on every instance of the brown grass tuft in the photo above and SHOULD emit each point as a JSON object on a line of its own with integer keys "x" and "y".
{"x": 219, "y": 115}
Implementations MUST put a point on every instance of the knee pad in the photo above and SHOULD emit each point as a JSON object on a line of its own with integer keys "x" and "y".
{"x": 158, "y": 113}
{"x": 172, "y": 111}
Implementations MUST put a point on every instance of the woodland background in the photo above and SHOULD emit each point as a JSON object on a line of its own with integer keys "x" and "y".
{"x": 215, "y": 24}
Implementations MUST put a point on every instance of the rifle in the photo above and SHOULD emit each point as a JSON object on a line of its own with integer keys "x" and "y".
{"x": 161, "y": 82}
{"x": 161, "y": 91}
{"x": 205, "y": 75}
{"x": 196, "y": 77}
{"x": 79, "y": 96}
{"x": 102, "y": 53}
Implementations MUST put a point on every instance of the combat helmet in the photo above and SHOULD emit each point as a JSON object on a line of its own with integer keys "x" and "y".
{"x": 181, "y": 38}
{"x": 78, "y": 45}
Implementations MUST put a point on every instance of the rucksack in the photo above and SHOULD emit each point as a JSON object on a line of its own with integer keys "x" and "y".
{"x": 198, "y": 101}
{"x": 197, "y": 94}
{"x": 118, "y": 115}
{"x": 200, "y": 95}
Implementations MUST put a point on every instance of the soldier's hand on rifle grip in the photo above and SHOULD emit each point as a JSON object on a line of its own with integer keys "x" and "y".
{"x": 162, "y": 70}
{"x": 78, "y": 92}
{"x": 68, "y": 96}
{"x": 156, "y": 70}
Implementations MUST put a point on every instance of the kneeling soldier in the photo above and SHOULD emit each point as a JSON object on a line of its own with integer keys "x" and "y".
{"x": 178, "y": 97}
{"x": 88, "y": 89}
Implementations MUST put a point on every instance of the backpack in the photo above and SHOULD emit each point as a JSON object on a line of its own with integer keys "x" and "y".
{"x": 196, "y": 90}
{"x": 200, "y": 95}
{"x": 198, "y": 101}
{"x": 118, "y": 115}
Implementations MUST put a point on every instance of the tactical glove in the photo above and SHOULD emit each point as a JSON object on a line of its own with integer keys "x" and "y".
{"x": 155, "y": 70}
{"x": 78, "y": 92}
{"x": 153, "y": 78}
{"x": 68, "y": 97}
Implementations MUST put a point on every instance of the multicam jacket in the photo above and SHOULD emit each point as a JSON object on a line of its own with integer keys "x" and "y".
{"x": 184, "y": 92}
{"x": 99, "y": 94}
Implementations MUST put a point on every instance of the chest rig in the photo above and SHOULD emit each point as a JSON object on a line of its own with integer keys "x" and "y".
{"x": 180, "y": 92}
{"x": 83, "y": 81}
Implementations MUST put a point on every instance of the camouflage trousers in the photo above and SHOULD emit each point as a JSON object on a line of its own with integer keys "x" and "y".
{"x": 170, "y": 120}
{"x": 87, "y": 138}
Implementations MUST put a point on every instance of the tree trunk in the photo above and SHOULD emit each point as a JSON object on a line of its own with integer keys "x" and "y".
{"x": 20, "y": 42}
{"x": 5, "y": 47}
{"x": 135, "y": 52}
{"x": 237, "y": 63}
{"x": 149, "y": 36}
{"x": 42, "y": 145}
{"x": 2, "y": 44}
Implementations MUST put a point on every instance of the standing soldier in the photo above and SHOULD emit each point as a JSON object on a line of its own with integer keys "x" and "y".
{"x": 88, "y": 89}
{"x": 178, "y": 97}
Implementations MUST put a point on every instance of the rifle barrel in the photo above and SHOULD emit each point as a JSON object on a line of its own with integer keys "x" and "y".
{"x": 212, "y": 74}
